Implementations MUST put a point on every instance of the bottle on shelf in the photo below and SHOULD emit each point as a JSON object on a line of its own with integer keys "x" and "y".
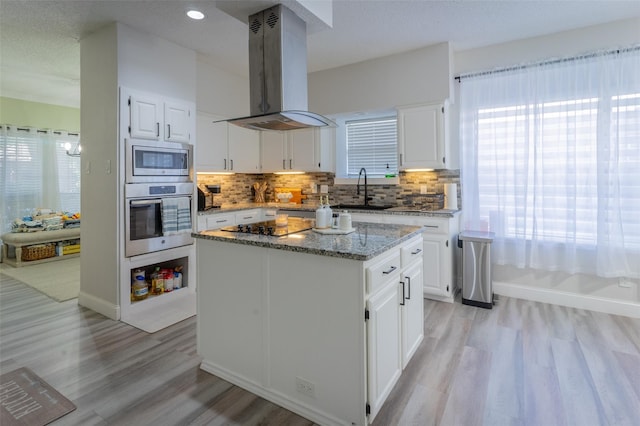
{"x": 140, "y": 289}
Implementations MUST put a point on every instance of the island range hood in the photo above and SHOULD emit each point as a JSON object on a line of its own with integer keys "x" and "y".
{"x": 278, "y": 73}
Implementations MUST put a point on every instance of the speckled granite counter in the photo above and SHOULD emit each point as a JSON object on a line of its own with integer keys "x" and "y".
{"x": 366, "y": 242}
{"x": 397, "y": 211}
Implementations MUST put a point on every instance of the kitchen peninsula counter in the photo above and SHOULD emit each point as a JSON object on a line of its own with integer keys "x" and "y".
{"x": 315, "y": 323}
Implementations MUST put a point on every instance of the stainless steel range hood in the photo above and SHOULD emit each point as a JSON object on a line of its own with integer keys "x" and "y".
{"x": 278, "y": 73}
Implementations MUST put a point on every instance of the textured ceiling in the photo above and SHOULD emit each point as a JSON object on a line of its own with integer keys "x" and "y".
{"x": 40, "y": 52}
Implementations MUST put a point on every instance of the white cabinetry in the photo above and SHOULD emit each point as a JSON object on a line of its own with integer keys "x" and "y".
{"x": 307, "y": 150}
{"x": 154, "y": 117}
{"x": 395, "y": 318}
{"x": 223, "y": 147}
{"x": 215, "y": 221}
{"x": 422, "y": 139}
{"x": 383, "y": 330}
{"x": 439, "y": 250}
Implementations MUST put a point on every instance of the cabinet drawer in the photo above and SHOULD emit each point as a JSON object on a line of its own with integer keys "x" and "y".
{"x": 382, "y": 271}
{"x": 218, "y": 221}
{"x": 248, "y": 216}
{"x": 436, "y": 226}
{"x": 411, "y": 252}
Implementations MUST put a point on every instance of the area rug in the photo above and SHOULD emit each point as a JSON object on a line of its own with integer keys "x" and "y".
{"x": 60, "y": 280}
{"x": 27, "y": 400}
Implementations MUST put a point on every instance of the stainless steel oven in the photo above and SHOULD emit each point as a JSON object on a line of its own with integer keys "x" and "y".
{"x": 155, "y": 161}
{"x": 157, "y": 217}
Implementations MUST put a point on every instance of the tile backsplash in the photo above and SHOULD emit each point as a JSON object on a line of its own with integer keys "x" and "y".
{"x": 238, "y": 188}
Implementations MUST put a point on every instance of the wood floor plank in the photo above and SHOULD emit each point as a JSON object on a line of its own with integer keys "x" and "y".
{"x": 467, "y": 399}
{"x": 542, "y": 397}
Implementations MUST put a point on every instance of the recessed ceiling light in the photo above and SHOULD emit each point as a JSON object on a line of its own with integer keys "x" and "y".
{"x": 195, "y": 14}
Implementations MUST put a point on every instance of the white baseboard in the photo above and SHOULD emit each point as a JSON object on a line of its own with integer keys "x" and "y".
{"x": 101, "y": 306}
{"x": 572, "y": 300}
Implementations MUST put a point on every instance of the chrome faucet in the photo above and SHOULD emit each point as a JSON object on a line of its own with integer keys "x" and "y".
{"x": 366, "y": 195}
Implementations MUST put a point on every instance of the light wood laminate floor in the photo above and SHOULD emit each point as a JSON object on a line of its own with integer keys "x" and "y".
{"x": 522, "y": 363}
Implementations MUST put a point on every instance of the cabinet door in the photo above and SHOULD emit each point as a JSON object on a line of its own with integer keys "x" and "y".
{"x": 272, "y": 151}
{"x": 437, "y": 265}
{"x": 383, "y": 345}
{"x": 144, "y": 119}
{"x": 412, "y": 311}
{"x": 244, "y": 150}
{"x": 326, "y": 142}
{"x": 301, "y": 150}
{"x": 211, "y": 147}
{"x": 421, "y": 137}
{"x": 177, "y": 119}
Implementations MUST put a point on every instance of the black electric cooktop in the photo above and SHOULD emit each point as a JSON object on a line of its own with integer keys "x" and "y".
{"x": 294, "y": 224}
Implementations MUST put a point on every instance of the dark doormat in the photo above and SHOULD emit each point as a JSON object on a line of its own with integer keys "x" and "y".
{"x": 27, "y": 400}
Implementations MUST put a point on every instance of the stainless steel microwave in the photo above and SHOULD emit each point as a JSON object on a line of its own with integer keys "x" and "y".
{"x": 153, "y": 161}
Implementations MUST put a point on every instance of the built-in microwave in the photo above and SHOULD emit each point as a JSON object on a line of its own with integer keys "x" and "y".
{"x": 155, "y": 161}
{"x": 157, "y": 217}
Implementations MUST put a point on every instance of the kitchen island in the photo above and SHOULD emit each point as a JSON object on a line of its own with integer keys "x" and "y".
{"x": 322, "y": 325}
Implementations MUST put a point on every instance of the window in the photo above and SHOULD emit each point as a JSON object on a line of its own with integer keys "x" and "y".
{"x": 372, "y": 144}
{"x": 35, "y": 171}
{"x": 551, "y": 163}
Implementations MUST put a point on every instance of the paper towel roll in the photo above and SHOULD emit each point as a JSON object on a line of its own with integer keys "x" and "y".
{"x": 451, "y": 196}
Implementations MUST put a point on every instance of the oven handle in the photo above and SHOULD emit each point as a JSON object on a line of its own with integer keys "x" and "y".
{"x": 144, "y": 202}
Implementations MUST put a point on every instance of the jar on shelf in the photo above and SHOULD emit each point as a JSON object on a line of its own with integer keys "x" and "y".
{"x": 157, "y": 281}
{"x": 140, "y": 289}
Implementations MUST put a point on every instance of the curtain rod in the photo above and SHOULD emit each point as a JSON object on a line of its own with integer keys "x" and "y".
{"x": 547, "y": 62}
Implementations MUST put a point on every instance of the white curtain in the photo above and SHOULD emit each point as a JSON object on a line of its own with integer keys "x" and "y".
{"x": 551, "y": 163}
{"x": 36, "y": 172}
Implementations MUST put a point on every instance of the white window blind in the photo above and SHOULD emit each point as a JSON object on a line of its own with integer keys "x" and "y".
{"x": 372, "y": 144}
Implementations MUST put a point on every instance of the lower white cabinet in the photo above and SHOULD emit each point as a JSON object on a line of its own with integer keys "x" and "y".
{"x": 215, "y": 221}
{"x": 395, "y": 326}
{"x": 440, "y": 238}
{"x": 383, "y": 344}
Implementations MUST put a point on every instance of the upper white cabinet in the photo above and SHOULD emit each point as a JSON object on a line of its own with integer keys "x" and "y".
{"x": 223, "y": 147}
{"x": 422, "y": 137}
{"x": 177, "y": 119}
{"x": 153, "y": 117}
{"x": 307, "y": 150}
{"x": 144, "y": 116}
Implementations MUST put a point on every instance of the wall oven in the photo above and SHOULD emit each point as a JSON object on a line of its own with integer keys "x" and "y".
{"x": 157, "y": 217}
{"x": 155, "y": 161}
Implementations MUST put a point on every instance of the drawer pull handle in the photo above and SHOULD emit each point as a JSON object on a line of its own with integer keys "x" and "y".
{"x": 417, "y": 251}
{"x": 391, "y": 269}
{"x": 403, "y": 296}
{"x": 221, "y": 220}
{"x": 432, "y": 226}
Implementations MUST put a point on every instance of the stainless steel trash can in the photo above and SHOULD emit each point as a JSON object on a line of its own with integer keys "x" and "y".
{"x": 476, "y": 268}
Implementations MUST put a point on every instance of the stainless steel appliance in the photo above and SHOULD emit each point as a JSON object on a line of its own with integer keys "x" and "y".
{"x": 144, "y": 230}
{"x": 278, "y": 73}
{"x": 476, "y": 268}
{"x": 153, "y": 161}
{"x": 269, "y": 227}
{"x": 206, "y": 196}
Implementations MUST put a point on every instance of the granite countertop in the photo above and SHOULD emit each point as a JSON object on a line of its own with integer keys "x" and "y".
{"x": 367, "y": 241}
{"x": 400, "y": 211}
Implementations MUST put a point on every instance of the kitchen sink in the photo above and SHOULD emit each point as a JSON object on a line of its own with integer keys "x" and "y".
{"x": 361, "y": 207}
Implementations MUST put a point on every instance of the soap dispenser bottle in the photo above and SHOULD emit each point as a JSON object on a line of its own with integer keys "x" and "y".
{"x": 321, "y": 221}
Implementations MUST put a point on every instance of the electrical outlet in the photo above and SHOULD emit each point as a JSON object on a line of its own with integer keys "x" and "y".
{"x": 305, "y": 387}
{"x": 622, "y": 282}
{"x": 324, "y": 189}
{"x": 423, "y": 189}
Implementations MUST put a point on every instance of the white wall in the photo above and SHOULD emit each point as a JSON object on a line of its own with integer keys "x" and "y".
{"x": 112, "y": 57}
{"x": 419, "y": 76}
{"x": 220, "y": 93}
{"x": 583, "y": 291}
{"x": 151, "y": 64}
